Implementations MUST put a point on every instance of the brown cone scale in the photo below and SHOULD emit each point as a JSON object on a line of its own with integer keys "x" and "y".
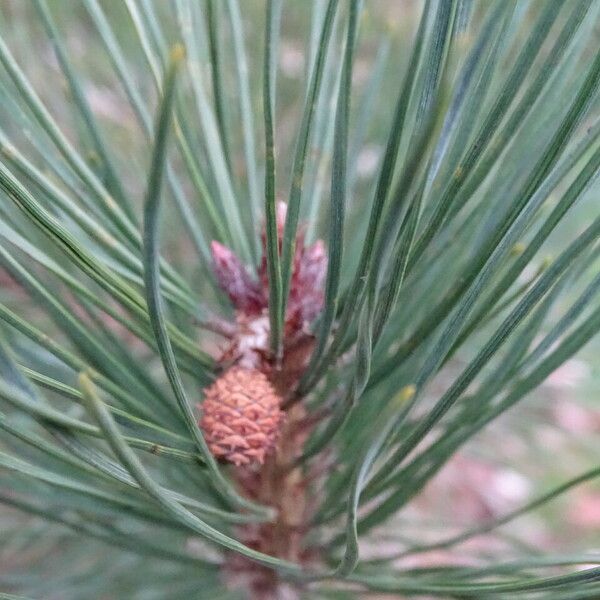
{"x": 241, "y": 416}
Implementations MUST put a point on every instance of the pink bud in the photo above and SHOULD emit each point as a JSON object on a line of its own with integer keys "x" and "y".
{"x": 313, "y": 266}
{"x": 234, "y": 279}
{"x": 308, "y": 274}
{"x": 306, "y": 293}
{"x": 281, "y": 213}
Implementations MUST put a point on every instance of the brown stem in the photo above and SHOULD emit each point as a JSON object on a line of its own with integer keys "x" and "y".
{"x": 287, "y": 490}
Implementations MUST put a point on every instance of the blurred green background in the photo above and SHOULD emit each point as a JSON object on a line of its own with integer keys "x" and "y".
{"x": 538, "y": 444}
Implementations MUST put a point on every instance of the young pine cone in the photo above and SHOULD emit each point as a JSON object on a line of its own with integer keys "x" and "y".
{"x": 241, "y": 416}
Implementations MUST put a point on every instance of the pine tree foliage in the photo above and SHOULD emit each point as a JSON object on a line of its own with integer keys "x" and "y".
{"x": 441, "y": 311}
